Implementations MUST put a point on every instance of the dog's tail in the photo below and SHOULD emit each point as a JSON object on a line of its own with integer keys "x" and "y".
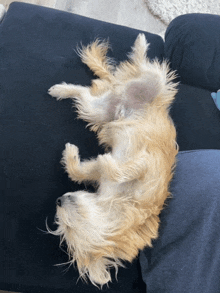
{"x": 94, "y": 56}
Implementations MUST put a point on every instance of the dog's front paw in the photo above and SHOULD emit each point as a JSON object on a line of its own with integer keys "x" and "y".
{"x": 59, "y": 91}
{"x": 70, "y": 154}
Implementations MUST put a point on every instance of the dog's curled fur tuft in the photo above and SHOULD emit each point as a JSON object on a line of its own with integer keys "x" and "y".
{"x": 128, "y": 107}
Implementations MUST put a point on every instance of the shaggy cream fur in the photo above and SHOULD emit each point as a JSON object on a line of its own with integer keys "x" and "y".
{"x": 128, "y": 107}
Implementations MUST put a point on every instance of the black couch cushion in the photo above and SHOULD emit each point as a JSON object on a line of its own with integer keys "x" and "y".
{"x": 37, "y": 51}
{"x": 192, "y": 45}
{"x": 197, "y": 119}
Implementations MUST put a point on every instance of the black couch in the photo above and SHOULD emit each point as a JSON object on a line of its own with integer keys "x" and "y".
{"x": 37, "y": 51}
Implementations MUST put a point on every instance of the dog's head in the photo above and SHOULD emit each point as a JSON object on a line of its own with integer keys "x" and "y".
{"x": 99, "y": 233}
{"x": 85, "y": 224}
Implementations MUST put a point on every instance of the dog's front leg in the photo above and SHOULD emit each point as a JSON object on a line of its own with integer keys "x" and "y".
{"x": 121, "y": 172}
{"x": 79, "y": 171}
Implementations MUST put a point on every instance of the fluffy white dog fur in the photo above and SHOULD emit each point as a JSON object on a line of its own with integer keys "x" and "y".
{"x": 128, "y": 107}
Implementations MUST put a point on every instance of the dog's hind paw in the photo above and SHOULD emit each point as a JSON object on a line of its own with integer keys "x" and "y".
{"x": 141, "y": 41}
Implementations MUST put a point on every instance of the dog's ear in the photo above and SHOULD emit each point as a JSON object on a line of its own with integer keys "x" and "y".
{"x": 98, "y": 271}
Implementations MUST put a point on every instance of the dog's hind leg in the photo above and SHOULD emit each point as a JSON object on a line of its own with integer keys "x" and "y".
{"x": 139, "y": 50}
{"x": 94, "y": 56}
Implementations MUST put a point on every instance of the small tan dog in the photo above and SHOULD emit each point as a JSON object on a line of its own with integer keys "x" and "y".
{"x": 128, "y": 107}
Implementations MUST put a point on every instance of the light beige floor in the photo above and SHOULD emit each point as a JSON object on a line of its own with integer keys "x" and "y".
{"x": 131, "y": 13}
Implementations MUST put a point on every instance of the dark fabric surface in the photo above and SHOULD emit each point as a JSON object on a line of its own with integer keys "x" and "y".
{"x": 192, "y": 45}
{"x": 197, "y": 119}
{"x": 186, "y": 256}
{"x": 37, "y": 51}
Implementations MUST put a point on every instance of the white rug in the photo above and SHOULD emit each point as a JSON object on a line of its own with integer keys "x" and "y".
{"x": 167, "y": 10}
{"x": 2, "y": 12}
{"x": 130, "y": 13}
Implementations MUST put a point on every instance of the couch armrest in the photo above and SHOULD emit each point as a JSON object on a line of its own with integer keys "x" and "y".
{"x": 192, "y": 45}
